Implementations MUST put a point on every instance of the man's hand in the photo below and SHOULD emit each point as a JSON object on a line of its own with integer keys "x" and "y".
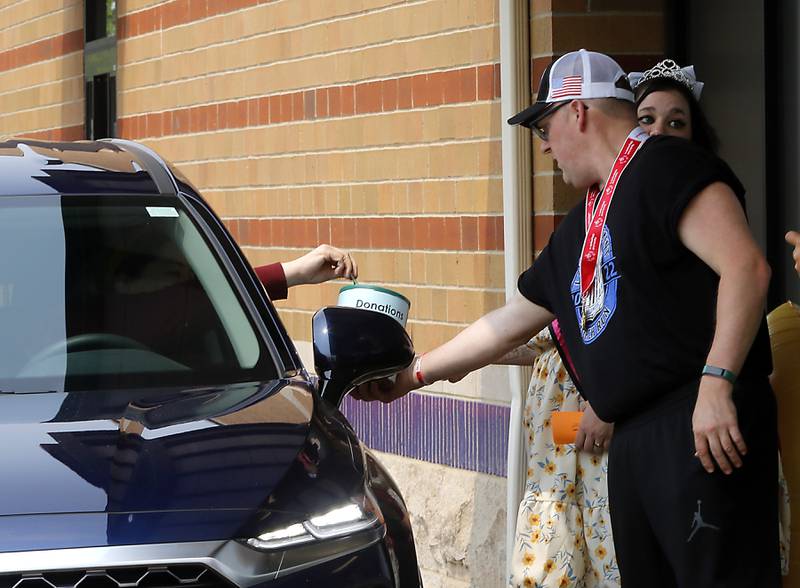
{"x": 793, "y": 238}
{"x": 716, "y": 427}
{"x": 593, "y": 435}
{"x": 385, "y": 390}
{"x": 320, "y": 265}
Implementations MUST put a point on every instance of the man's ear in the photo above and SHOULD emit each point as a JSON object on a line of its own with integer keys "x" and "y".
{"x": 580, "y": 109}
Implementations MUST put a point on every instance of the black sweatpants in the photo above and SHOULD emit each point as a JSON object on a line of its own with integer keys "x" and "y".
{"x": 675, "y": 525}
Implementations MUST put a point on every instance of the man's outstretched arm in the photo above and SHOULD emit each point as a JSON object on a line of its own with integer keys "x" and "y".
{"x": 481, "y": 343}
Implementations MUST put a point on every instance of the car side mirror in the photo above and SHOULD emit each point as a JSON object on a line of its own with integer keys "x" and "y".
{"x": 353, "y": 346}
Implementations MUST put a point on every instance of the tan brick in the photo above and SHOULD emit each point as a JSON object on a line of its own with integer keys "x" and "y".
{"x": 313, "y": 71}
{"x": 58, "y": 92}
{"x": 129, "y": 6}
{"x": 489, "y": 158}
{"x": 479, "y": 195}
{"x": 466, "y": 306}
{"x": 545, "y": 189}
{"x": 439, "y": 304}
{"x": 49, "y": 18}
{"x": 402, "y": 267}
{"x": 131, "y": 51}
{"x": 433, "y": 269}
{"x": 542, "y": 162}
{"x": 456, "y": 303}
{"x": 362, "y": 29}
{"x": 539, "y": 7}
{"x": 446, "y": 196}
{"x": 55, "y": 116}
{"x": 16, "y": 16}
{"x": 542, "y": 35}
{"x": 297, "y": 323}
{"x": 430, "y": 335}
{"x": 417, "y": 261}
{"x": 306, "y": 297}
{"x": 483, "y": 123}
{"x": 452, "y": 267}
{"x": 217, "y": 202}
{"x": 66, "y": 67}
{"x": 423, "y": 307}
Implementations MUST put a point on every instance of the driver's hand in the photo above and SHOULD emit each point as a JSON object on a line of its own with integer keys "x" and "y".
{"x": 320, "y": 265}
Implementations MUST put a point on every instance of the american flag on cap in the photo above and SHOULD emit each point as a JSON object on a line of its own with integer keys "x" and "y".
{"x": 564, "y": 80}
{"x": 568, "y": 86}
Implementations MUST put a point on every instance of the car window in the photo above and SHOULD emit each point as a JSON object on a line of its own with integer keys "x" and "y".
{"x": 117, "y": 292}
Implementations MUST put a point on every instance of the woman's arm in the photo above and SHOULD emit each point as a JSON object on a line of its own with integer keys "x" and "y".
{"x": 318, "y": 265}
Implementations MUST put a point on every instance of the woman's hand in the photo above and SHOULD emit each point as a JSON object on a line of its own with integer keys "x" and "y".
{"x": 593, "y": 435}
{"x": 320, "y": 265}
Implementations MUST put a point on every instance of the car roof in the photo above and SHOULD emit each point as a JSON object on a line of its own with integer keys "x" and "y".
{"x": 106, "y": 167}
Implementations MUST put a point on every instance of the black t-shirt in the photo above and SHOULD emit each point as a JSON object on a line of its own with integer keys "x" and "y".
{"x": 658, "y": 316}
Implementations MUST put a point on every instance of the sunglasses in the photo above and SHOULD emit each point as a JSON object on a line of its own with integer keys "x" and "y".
{"x": 542, "y": 132}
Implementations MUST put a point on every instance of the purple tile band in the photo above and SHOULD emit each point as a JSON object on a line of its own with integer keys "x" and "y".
{"x": 457, "y": 433}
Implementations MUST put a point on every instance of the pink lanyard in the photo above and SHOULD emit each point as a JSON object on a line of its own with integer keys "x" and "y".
{"x": 595, "y": 218}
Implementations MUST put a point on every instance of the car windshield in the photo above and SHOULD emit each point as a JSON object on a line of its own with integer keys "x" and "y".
{"x": 117, "y": 292}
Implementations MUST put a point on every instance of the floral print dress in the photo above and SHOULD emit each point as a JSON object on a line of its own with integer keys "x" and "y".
{"x": 563, "y": 535}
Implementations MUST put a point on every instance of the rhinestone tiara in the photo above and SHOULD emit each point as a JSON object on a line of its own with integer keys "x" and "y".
{"x": 667, "y": 69}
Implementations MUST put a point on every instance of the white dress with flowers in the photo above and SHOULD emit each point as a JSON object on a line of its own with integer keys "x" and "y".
{"x": 563, "y": 536}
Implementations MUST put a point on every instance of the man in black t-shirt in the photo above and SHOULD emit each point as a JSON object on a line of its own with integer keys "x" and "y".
{"x": 659, "y": 289}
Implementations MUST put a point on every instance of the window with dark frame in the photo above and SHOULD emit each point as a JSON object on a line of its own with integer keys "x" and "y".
{"x": 100, "y": 68}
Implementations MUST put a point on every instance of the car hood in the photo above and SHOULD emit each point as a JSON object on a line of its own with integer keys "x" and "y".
{"x": 95, "y": 468}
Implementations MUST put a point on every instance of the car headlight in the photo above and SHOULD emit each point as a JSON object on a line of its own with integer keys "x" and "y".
{"x": 341, "y": 521}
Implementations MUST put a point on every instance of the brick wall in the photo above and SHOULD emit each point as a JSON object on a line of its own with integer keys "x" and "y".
{"x": 369, "y": 124}
{"x": 631, "y": 31}
{"x": 41, "y": 69}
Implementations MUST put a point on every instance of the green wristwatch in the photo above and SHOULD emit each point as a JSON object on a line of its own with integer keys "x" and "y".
{"x": 718, "y": 372}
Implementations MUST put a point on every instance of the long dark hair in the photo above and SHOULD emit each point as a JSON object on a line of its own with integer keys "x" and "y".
{"x": 702, "y": 132}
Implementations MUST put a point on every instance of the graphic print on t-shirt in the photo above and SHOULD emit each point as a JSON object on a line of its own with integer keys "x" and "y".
{"x": 597, "y": 321}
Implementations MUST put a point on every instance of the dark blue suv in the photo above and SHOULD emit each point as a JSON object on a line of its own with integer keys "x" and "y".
{"x": 160, "y": 429}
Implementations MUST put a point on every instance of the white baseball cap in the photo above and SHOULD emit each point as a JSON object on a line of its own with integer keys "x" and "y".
{"x": 580, "y": 74}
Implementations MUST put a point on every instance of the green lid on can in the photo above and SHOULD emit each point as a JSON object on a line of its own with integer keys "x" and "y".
{"x": 377, "y": 289}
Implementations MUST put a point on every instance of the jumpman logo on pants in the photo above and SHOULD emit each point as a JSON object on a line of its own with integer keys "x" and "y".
{"x": 698, "y": 522}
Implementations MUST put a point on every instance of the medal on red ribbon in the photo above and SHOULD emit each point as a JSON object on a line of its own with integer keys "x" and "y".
{"x": 598, "y": 204}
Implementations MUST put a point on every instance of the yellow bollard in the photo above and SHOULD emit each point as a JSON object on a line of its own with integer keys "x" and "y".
{"x": 784, "y": 334}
